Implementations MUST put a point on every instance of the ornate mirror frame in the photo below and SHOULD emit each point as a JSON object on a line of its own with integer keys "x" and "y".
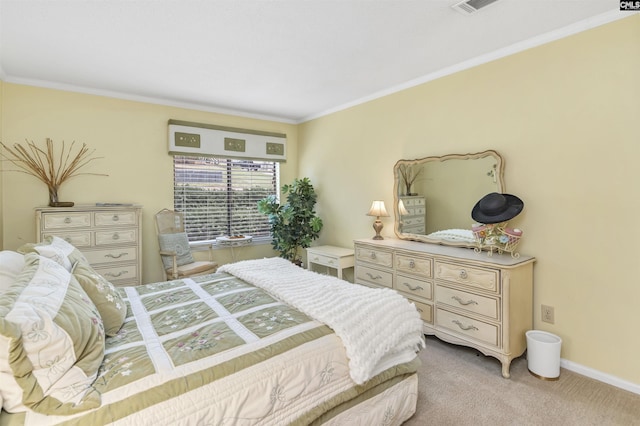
{"x": 460, "y": 184}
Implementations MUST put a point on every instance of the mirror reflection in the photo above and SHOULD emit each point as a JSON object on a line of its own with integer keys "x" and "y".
{"x": 433, "y": 196}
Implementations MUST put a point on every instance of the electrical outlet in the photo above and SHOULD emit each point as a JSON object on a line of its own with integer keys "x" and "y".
{"x": 548, "y": 314}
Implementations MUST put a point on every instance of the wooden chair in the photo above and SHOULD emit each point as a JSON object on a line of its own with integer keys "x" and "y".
{"x": 177, "y": 259}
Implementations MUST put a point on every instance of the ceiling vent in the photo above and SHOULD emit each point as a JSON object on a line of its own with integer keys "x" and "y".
{"x": 469, "y": 7}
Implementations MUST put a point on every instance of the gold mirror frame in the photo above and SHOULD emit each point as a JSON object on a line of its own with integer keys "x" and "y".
{"x": 465, "y": 184}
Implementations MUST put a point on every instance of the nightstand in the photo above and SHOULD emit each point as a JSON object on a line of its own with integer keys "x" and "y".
{"x": 338, "y": 258}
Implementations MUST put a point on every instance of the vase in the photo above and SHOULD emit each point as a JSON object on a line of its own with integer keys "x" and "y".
{"x": 53, "y": 198}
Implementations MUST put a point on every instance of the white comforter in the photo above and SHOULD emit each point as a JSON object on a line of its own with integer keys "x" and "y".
{"x": 378, "y": 327}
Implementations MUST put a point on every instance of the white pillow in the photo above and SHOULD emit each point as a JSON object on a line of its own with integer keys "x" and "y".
{"x": 54, "y": 248}
{"x": 11, "y": 264}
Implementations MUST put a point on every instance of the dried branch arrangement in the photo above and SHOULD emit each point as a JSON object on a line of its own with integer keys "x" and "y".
{"x": 50, "y": 168}
{"x": 409, "y": 175}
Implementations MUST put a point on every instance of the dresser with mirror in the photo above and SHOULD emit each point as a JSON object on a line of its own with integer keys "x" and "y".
{"x": 465, "y": 296}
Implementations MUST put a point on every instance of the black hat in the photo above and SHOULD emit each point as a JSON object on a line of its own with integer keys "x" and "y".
{"x": 496, "y": 208}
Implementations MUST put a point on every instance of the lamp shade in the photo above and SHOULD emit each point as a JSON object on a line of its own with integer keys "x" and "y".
{"x": 378, "y": 209}
{"x": 402, "y": 209}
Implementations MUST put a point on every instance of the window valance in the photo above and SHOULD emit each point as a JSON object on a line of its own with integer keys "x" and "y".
{"x": 207, "y": 140}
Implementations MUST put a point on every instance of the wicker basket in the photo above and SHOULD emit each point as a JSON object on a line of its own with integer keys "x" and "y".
{"x": 497, "y": 237}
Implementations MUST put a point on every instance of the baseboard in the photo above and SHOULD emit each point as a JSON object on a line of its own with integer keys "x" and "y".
{"x": 600, "y": 376}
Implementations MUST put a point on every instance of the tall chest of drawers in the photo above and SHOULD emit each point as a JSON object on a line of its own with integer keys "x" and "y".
{"x": 414, "y": 221}
{"x": 464, "y": 297}
{"x": 109, "y": 237}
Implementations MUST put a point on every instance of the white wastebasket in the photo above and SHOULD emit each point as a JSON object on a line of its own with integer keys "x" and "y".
{"x": 543, "y": 354}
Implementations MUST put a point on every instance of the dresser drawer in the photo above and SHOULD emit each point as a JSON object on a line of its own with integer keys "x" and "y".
{"x": 377, "y": 257}
{"x": 410, "y": 202}
{"x": 375, "y": 276}
{"x": 120, "y": 236}
{"x": 118, "y": 272}
{"x": 483, "y": 305}
{"x": 79, "y": 239}
{"x": 119, "y": 218}
{"x": 414, "y": 286}
{"x": 120, "y": 254}
{"x": 460, "y": 324}
{"x": 412, "y": 221}
{"x": 425, "y": 310}
{"x": 66, "y": 220}
{"x": 417, "y": 211}
{"x": 486, "y": 279}
{"x": 414, "y": 265}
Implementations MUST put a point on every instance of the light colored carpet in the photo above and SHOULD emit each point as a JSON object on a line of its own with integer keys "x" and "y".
{"x": 460, "y": 386}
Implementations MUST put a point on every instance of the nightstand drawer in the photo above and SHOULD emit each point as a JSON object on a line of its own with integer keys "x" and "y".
{"x": 375, "y": 276}
{"x": 66, "y": 220}
{"x": 119, "y": 218}
{"x": 425, "y": 310}
{"x": 460, "y": 324}
{"x": 377, "y": 257}
{"x": 120, "y": 236}
{"x": 121, "y": 254}
{"x": 320, "y": 259}
{"x": 414, "y": 286}
{"x": 78, "y": 239}
{"x": 486, "y": 279}
{"x": 414, "y": 265}
{"x": 483, "y": 305}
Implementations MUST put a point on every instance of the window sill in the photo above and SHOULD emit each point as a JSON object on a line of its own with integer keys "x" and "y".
{"x": 205, "y": 245}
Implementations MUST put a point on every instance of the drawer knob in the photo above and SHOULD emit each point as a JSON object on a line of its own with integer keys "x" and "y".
{"x": 463, "y": 274}
{"x": 115, "y": 274}
{"x": 414, "y": 288}
{"x": 373, "y": 255}
{"x": 371, "y": 276}
{"x": 464, "y": 327}
{"x": 67, "y": 219}
{"x": 316, "y": 258}
{"x": 412, "y": 264}
{"x": 116, "y": 256}
{"x": 462, "y": 302}
{"x": 115, "y": 236}
{"x": 115, "y": 218}
{"x": 68, "y": 239}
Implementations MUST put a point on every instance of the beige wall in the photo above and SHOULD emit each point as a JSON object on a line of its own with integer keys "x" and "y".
{"x": 132, "y": 138}
{"x": 564, "y": 117}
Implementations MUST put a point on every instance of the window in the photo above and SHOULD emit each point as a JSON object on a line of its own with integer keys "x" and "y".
{"x": 219, "y": 196}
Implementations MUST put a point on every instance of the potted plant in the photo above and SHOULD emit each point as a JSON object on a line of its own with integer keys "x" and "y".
{"x": 294, "y": 224}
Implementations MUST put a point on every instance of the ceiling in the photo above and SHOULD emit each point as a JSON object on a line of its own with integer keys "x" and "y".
{"x": 285, "y": 60}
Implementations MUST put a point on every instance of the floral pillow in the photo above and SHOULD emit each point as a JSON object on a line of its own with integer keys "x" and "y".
{"x": 54, "y": 248}
{"x": 103, "y": 294}
{"x": 51, "y": 342}
{"x": 11, "y": 264}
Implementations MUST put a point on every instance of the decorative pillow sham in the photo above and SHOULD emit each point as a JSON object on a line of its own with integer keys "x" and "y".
{"x": 103, "y": 294}
{"x": 54, "y": 248}
{"x": 11, "y": 264}
{"x": 51, "y": 342}
{"x": 178, "y": 243}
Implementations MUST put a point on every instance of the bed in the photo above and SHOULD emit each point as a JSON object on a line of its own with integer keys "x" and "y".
{"x": 258, "y": 342}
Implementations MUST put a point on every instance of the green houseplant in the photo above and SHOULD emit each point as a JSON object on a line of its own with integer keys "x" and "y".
{"x": 294, "y": 224}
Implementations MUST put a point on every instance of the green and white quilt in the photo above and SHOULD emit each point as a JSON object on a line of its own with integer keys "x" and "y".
{"x": 219, "y": 350}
